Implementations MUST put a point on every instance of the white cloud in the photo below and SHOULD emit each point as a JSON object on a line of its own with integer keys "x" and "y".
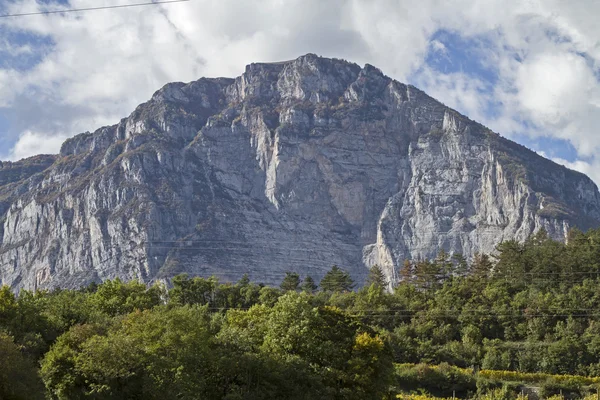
{"x": 438, "y": 47}
{"x": 30, "y": 143}
{"x": 560, "y": 93}
{"x": 552, "y": 86}
{"x": 104, "y": 63}
{"x": 458, "y": 90}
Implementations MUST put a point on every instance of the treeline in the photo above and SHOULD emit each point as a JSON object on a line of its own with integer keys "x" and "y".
{"x": 199, "y": 340}
{"x": 533, "y": 307}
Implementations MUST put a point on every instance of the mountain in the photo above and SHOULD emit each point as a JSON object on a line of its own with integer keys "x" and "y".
{"x": 292, "y": 166}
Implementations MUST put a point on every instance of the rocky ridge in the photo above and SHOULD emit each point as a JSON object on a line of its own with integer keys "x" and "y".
{"x": 292, "y": 166}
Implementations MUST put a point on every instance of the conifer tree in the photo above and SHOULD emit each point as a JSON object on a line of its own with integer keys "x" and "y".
{"x": 337, "y": 280}
{"x": 244, "y": 280}
{"x": 444, "y": 265}
{"x": 290, "y": 282}
{"x": 309, "y": 285}
{"x": 377, "y": 277}
{"x": 481, "y": 266}
{"x": 407, "y": 271}
{"x": 427, "y": 274}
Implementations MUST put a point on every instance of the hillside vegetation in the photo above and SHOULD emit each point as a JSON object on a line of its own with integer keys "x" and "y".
{"x": 526, "y": 318}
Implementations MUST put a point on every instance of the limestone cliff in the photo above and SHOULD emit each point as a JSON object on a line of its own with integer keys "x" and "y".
{"x": 296, "y": 165}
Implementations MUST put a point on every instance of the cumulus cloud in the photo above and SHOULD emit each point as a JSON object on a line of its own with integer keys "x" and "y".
{"x": 30, "y": 143}
{"x": 99, "y": 65}
{"x": 560, "y": 93}
{"x": 104, "y": 63}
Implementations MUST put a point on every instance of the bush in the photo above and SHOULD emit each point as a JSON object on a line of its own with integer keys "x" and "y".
{"x": 485, "y": 385}
{"x": 19, "y": 379}
{"x": 569, "y": 389}
{"x": 441, "y": 380}
{"x": 514, "y": 376}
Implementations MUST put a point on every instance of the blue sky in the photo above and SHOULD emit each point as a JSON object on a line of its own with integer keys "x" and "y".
{"x": 526, "y": 69}
{"x": 471, "y": 56}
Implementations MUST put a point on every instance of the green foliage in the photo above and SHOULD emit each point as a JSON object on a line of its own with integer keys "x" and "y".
{"x": 58, "y": 366}
{"x": 149, "y": 354}
{"x": 117, "y": 297}
{"x": 193, "y": 291}
{"x": 569, "y": 388}
{"x": 323, "y": 336}
{"x": 19, "y": 379}
{"x": 294, "y": 350}
{"x": 337, "y": 280}
{"x": 269, "y": 296}
{"x": 525, "y": 377}
{"x": 377, "y": 277}
{"x": 524, "y": 316}
{"x": 442, "y": 380}
{"x": 291, "y": 282}
{"x": 208, "y": 291}
{"x": 308, "y": 285}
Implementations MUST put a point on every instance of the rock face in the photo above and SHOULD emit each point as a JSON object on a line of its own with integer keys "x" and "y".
{"x": 293, "y": 166}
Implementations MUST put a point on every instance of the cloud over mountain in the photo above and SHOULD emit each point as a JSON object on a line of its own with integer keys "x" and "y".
{"x": 528, "y": 70}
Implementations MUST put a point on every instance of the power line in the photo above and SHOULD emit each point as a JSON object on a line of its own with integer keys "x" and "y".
{"x": 152, "y": 3}
{"x": 434, "y": 314}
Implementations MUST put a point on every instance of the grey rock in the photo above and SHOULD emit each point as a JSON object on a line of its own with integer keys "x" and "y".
{"x": 293, "y": 166}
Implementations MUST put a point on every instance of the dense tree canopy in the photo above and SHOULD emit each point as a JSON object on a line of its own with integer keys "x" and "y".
{"x": 530, "y": 307}
{"x": 19, "y": 379}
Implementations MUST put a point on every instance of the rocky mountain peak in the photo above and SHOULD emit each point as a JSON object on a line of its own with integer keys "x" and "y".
{"x": 307, "y": 78}
{"x": 292, "y": 166}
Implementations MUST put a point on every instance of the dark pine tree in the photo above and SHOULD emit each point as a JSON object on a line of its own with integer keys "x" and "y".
{"x": 407, "y": 272}
{"x": 309, "y": 285}
{"x": 290, "y": 282}
{"x": 337, "y": 280}
{"x": 377, "y": 277}
{"x": 481, "y": 266}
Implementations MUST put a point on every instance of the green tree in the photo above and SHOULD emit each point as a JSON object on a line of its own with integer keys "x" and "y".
{"x": 22, "y": 318}
{"x": 8, "y": 308}
{"x": 481, "y": 266}
{"x": 428, "y": 275}
{"x": 269, "y": 296}
{"x": 158, "y": 354}
{"x": 193, "y": 291}
{"x": 352, "y": 362}
{"x": 377, "y": 277}
{"x": 461, "y": 266}
{"x": 65, "y": 308}
{"x": 115, "y": 297}
{"x": 511, "y": 261}
{"x": 59, "y": 372}
{"x": 290, "y": 282}
{"x": 337, "y": 280}
{"x": 309, "y": 285}
{"x": 444, "y": 265}
{"x": 244, "y": 281}
{"x": 407, "y": 272}
{"x": 249, "y": 294}
{"x": 19, "y": 379}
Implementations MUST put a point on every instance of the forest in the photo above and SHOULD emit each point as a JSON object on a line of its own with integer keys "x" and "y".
{"x": 523, "y": 318}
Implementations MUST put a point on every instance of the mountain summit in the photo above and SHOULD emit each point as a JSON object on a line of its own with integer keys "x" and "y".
{"x": 292, "y": 166}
